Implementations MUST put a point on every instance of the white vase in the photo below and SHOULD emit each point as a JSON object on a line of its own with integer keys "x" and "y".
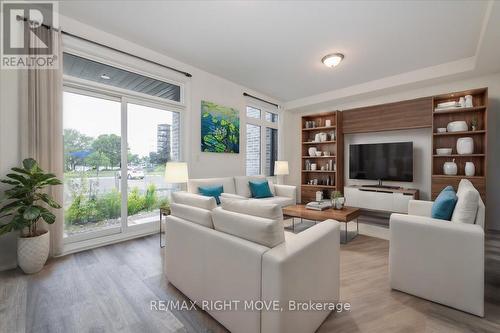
{"x": 312, "y": 151}
{"x": 468, "y": 101}
{"x": 450, "y": 168}
{"x": 470, "y": 169}
{"x": 32, "y": 252}
{"x": 457, "y": 126}
{"x": 465, "y": 146}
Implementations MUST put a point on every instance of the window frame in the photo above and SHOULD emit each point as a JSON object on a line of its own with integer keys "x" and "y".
{"x": 263, "y": 124}
{"x": 98, "y": 90}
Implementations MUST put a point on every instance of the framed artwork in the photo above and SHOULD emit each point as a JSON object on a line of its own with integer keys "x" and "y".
{"x": 220, "y": 128}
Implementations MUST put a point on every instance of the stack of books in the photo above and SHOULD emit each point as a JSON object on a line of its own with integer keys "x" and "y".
{"x": 447, "y": 106}
{"x": 319, "y": 205}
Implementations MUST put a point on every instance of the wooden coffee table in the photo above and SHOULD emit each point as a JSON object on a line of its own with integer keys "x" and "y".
{"x": 346, "y": 215}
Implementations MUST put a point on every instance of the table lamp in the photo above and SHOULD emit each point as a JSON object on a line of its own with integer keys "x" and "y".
{"x": 176, "y": 173}
{"x": 280, "y": 170}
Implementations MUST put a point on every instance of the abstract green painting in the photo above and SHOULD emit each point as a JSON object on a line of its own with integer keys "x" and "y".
{"x": 220, "y": 128}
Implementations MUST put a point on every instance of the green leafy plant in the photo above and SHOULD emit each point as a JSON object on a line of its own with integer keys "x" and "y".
{"x": 336, "y": 195}
{"x": 26, "y": 202}
{"x": 474, "y": 121}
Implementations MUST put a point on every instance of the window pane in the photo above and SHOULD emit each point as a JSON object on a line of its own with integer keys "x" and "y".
{"x": 253, "y": 112}
{"x": 253, "y": 150}
{"x": 153, "y": 140}
{"x": 87, "y": 69}
{"x": 92, "y": 155}
{"x": 271, "y": 150}
{"x": 271, "y": 117}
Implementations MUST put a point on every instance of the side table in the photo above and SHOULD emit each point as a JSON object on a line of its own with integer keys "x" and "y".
{"x": 163, "y": 212}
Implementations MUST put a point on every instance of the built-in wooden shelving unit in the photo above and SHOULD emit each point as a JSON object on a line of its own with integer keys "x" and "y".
{"x": 328, "y": 175}
{"x": 441, "y": 118}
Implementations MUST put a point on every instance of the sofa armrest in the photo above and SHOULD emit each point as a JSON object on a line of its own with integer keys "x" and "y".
{"x": 304, "y": 268}
{"x": 193, "y": 199}
{"x": 438, "y": 260}
{"x": 286, "y": 191}
{"x": 420, "y": 208}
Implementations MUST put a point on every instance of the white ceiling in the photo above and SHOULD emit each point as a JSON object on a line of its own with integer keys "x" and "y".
{"x": 276, "y": 47}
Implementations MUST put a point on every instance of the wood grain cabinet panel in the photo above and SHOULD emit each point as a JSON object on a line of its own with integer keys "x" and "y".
{"x": 415, "y": 113}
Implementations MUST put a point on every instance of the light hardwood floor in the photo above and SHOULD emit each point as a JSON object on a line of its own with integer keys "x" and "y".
{"x": 109, "y": 289}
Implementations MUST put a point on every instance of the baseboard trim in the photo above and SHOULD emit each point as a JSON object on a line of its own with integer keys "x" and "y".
{"x": 106, "y": 240}
{"x": 8, "y": 266}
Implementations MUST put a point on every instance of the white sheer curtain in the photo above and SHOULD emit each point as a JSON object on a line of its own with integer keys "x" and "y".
{"x": 41, "y": 122}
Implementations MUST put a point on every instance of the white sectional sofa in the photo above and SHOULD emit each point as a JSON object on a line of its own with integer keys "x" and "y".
{"x": 237, "y": 187}
{"x": 240, "y": 252}
{"x": 442, "y": 261}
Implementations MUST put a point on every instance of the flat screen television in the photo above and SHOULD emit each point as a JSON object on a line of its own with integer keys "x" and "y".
{"x": 381, "y": 161}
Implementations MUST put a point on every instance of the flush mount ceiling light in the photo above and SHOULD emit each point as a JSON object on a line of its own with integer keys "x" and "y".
{"x": 332, "y": 60}
{"x": 105, "y": 76}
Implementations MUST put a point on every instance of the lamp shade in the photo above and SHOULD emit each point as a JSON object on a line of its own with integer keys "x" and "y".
{"x": 281, "y": 168}
{"x": 176, "y": 172}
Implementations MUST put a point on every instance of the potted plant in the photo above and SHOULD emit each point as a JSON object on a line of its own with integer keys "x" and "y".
{"x": 474, "y": 123}
{"x": 337, "y": 200}
{"x": 25, "y": 205}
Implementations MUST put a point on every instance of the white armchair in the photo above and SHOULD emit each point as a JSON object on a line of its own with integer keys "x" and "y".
{"x": 442, "y": 261}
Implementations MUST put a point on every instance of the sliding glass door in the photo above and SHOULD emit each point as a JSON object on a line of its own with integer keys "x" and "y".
{"x": 92, "y": 159}
{"x": 115, "y": 151}
{"x": 153, "y": 139}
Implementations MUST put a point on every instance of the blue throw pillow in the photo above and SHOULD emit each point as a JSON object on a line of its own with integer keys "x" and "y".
{"x": 443, "y": 206}
{"x": 212, "y": 191}
{"x": 260, "y": 189}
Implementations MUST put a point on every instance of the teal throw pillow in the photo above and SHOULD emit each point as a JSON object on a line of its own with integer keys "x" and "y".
{"x": 443, "y": 206}
{"x": 212, "y": 191}
{"x": 260, "y": 189}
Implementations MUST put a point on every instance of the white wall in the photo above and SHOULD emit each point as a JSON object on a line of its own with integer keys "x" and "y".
{"x": 202, "y": 86}
{"x": 291, "y": 130}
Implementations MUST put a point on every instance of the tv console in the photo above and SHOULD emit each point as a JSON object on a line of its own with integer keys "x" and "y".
{"x": 377, "y": 198}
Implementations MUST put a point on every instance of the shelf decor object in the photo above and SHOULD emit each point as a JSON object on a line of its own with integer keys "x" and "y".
{"x": 470, "y": 169}
{"x": 450, "y": 168}
{"x": 322, "y": 155}
{"x": 465, "y": 146}
{"x": 467, "y": 131}
{"x": 457, "y": 126}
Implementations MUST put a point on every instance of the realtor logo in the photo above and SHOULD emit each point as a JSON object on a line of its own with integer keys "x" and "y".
{"x": 27, "y": 36}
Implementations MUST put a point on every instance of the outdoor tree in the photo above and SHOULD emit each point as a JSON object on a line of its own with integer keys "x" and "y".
{"x": 133, "y": 158}
{"x": 75, "y": 143}
{"x": 110, "y": 146}
{"x": 97, "y": 159}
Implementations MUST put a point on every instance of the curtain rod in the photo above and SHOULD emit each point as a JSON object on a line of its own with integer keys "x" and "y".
{"x": 20, "y": 18}
{"x": 260, "y": 99}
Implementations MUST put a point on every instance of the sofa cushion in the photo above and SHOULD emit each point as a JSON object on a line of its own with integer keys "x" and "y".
{"x": 467, "y": 206}
{"x": 253, "y": 207}
{"x": 242, "y": 187}
{"x": 195, "y": 200}
{"x": 271, "y": 185}
{"x": 264, "y": 231}
{"x": 193, "y": 214}
{"x": 260, "y": 189}
{"x": 443, "y": 206}
{"x": 226, "y": 182}
{"x": 212, "y": 191}
{"x": 232, "y": 196}
{"x": 281, "y": 201}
